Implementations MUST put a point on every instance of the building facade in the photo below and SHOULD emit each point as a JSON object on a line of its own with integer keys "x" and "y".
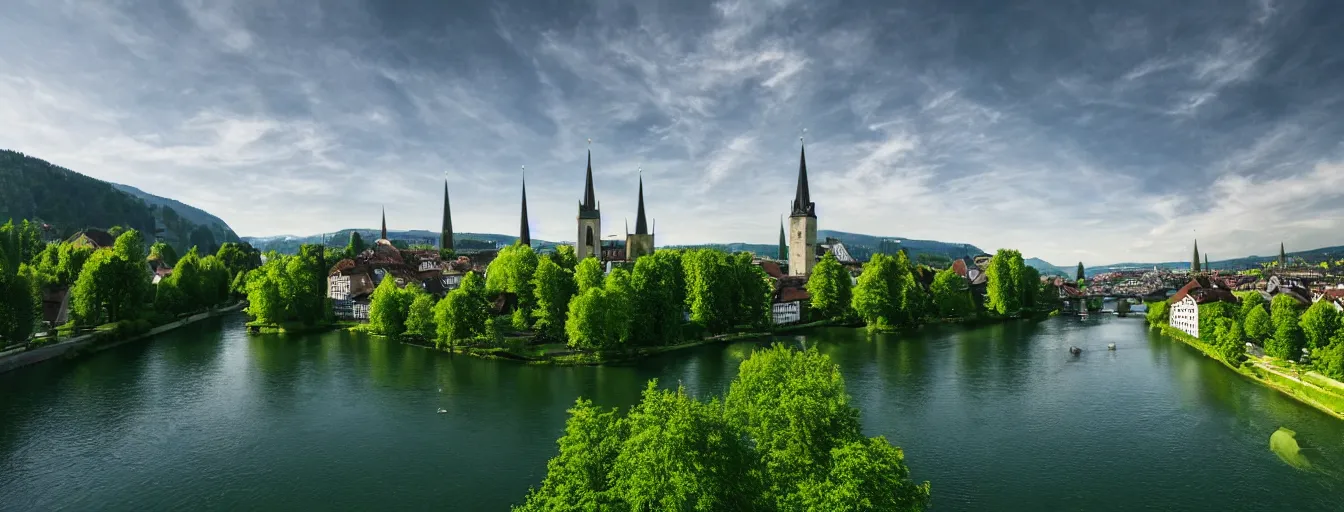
{"x": 1184, "y": 315}
{"x": 588, "y": 241}
{"x": 641, "y": 241}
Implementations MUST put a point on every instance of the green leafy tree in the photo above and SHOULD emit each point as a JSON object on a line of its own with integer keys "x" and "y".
{"x": 752, "y": 292}
{"x": 659, "y": 298}
{"x": 164, "y": 253}
{"x": 1249, "y": 301}
{"x": 877, "y": 296}
{"x": 463, "y": 313}
{"x": 239, "y": 257}
{"x": 420, "y": 316}
{"x": 588, "y": 275}
{"x": 1288, "y": 341}
{"x": 1002, "y": 295}
{"x": 1258, "y": 326}
{"x": 618, "y": 300}
{"x": 303, "y": 285}
{"x": 865, "y": 475}
{"x": 20, "y": 302}
{"x": 830, "y": 288}
{"x": 388, "y": 308}
{"x": 1319, "y": 324}
{"x": 576, "y": 478}
{"x": 1081, "y": 275}
{"x": 587, "y": 324}
{"x": 512, "y": 271}
{"x": 565, "y": 257}
{"x": 90, "y": 295}
{"x": 1029, "y": 285}
{"x": 264, "y": 301}
{"x": 1229, "y": 340}
{"x": 951, "y": 294}
{"x": 1330, "y": 359}
{"x": 355, "y": 246}
{"x": 794, "y": 406}
{"x": 709, "y": 287}
{"x": 680, "y": 454}
{"x": 554, "y": 286}
{"x": 1158, "y": 312}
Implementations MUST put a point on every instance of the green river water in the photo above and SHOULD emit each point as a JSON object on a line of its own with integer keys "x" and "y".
{"x": 998, "y": 418}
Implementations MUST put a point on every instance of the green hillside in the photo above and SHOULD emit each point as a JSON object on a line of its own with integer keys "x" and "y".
{"x": 34, "y": 189}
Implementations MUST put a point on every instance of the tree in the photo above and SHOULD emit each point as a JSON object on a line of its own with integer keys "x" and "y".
{"x": 680, "y": 454}
{"x": 164, "y": 253}
{"x": 90, "y": 294}
{"x": 239, "y": 257}
{"x": 1330, "y": 359}
{"x": 512, "y": 272}
{"x": 463, "y": 313}
{"x": 1319, "y": 324}
{"x": 794, "y": 406}
{"x": 586, "y": 324}
{"x": 1029, "y": 285}
{"x": 1003, "y": 297}
{"x": 1258, "y": 326}
{"x": 576, "y": 478}
{"x": 1288, "y": 341}
{"x": 617, "y": 302}
{"x": 1250, "y": 300}
{"x": 877, "y": 296}
{"x": 554, "y": 286}
{"x": 355, "y": 246}
{"x": 565, "y": 257}
{"x": 709, "y": 284}
{"x": 866, "y": 475}
{"x": 1081, "y": 274}
{"x": 752, "y": 292}
{"x": 420, "y": 316}
{"x": 951, "y": 294}
{"x": 388, "y": 308}
{"x": 658, "y": 298}
{"x": 20, "y": 302}
{"x": 304, "y": 285}
{"x": 1229, "y": 340}
{"x": 830, "y": 288}
{"x": 264, "y": 301}
{"x": 1158, "y": 312}
{"x": 588, "y": 274}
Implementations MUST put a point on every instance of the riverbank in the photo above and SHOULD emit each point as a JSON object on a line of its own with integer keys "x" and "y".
{"x": 1308, "y": 387}
{"x": 99, "y": 340}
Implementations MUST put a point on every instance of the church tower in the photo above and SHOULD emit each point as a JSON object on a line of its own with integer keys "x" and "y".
{"x": 1194, "y": 262}
{"x": 383, "y": 236}
{"x": 446, "y": 231}
{"x": 783, "y": 242}
{"x": 524, "y": 235}
{"x": 641, "y": 242}
{"x": 802, "y": 225}
{"x": 589, "y": 240}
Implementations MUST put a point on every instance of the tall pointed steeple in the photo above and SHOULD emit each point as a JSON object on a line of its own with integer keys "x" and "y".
{"x": 641, "y": 225}
{"x": 446, "y": 231}
{"x": 384, "y": 233}
{"x": 1207, "y": 268}
{"x": 783, "y": 242}
{"x": 802, "y": 200}
{"x": 1194, "y": 263}
{"x": 589, "y": 204}
{"x": 1283, "y": 258}
{"x": 524, "y": 236}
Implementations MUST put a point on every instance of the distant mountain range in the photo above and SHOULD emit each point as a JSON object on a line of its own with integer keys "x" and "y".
{"x": 34, "y": 189}
{"x": 1313, "y": 256}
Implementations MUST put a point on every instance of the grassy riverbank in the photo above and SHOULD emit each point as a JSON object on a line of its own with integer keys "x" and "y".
{"x": 1291, "y": 379}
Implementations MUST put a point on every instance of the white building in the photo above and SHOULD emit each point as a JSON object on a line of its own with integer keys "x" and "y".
{"x": 786, "y": 312}
{"x": 1185, "y": 316}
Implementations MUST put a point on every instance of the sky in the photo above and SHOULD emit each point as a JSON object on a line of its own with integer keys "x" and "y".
{"x": 1073, "y": 131}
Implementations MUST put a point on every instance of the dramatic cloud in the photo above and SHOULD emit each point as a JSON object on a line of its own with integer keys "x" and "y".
{"x": 1110, "y": 132}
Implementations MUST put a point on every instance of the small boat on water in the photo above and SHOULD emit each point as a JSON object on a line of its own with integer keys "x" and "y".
{"x": 1110, "y": 346}
{"x": 1075, "y": 350}
{"x": 442, "y": 410}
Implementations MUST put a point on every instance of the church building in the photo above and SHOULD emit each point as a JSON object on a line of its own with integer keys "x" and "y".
{"x": 589, "y": 241}
{"x": 802, "y": 225}
{"x": 641, "y": 242}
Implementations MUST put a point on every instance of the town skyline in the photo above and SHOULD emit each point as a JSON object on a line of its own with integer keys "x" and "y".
{"x": 1104, "y": 133}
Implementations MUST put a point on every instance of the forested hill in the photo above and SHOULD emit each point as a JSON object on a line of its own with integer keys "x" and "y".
{"x": 34, "y": 189}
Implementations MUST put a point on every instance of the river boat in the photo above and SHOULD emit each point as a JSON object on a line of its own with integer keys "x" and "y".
{"x": 1075, "y": 350}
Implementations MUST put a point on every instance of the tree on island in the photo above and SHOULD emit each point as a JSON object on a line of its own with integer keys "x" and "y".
{"x": 1002, "y": 290}
{"x": 659, "y": 298}
{"x": 878, "y": 293}
{"x": 512, "y": 272}
{"x": 389, "y": 306}
{"x": 830, "y": 288}
{"x": 1319, "y": 324}
{"x": 462, "y": 314}
{"x": 951, "y": 294}
{"x": 785, "y": 437}
{"x": 553, "y": 286}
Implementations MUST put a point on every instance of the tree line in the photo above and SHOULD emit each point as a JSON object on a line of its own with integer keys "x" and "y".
{"x": 1282, "y": 326}
{"x": 889, "y": 294}
{"x": 784, "y": 437}
{"x": 109, "y": 284}
{"x": 665, "y": 297}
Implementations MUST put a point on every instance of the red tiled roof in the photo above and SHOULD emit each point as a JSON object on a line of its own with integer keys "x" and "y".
{"x": 1204, "y": 290}
{"x": 792, "y": 294}
{"x": 772, "y": 269}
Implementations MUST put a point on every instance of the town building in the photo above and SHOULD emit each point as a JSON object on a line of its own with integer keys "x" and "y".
{"x": 1185, "y": 304}
{"x": 802, "y": 225}
{"x": 589, "y": 238}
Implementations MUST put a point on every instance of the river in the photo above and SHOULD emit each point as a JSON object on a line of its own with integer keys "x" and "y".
{"x": 997, "y": 418}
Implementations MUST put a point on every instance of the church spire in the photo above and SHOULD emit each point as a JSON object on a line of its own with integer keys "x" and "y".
{"x": 1283, "y": 258}
{"x": 588, "y": 208}
{"x": 1194, "y": 263}
{"x": 446, "y": 231}
{"x": 802, "y": 200}
{"x": 524, "y": 236}
{"x": 783, "y": 245}
{"x": 384, "y": 233}
{"x": 641, "y": 225}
